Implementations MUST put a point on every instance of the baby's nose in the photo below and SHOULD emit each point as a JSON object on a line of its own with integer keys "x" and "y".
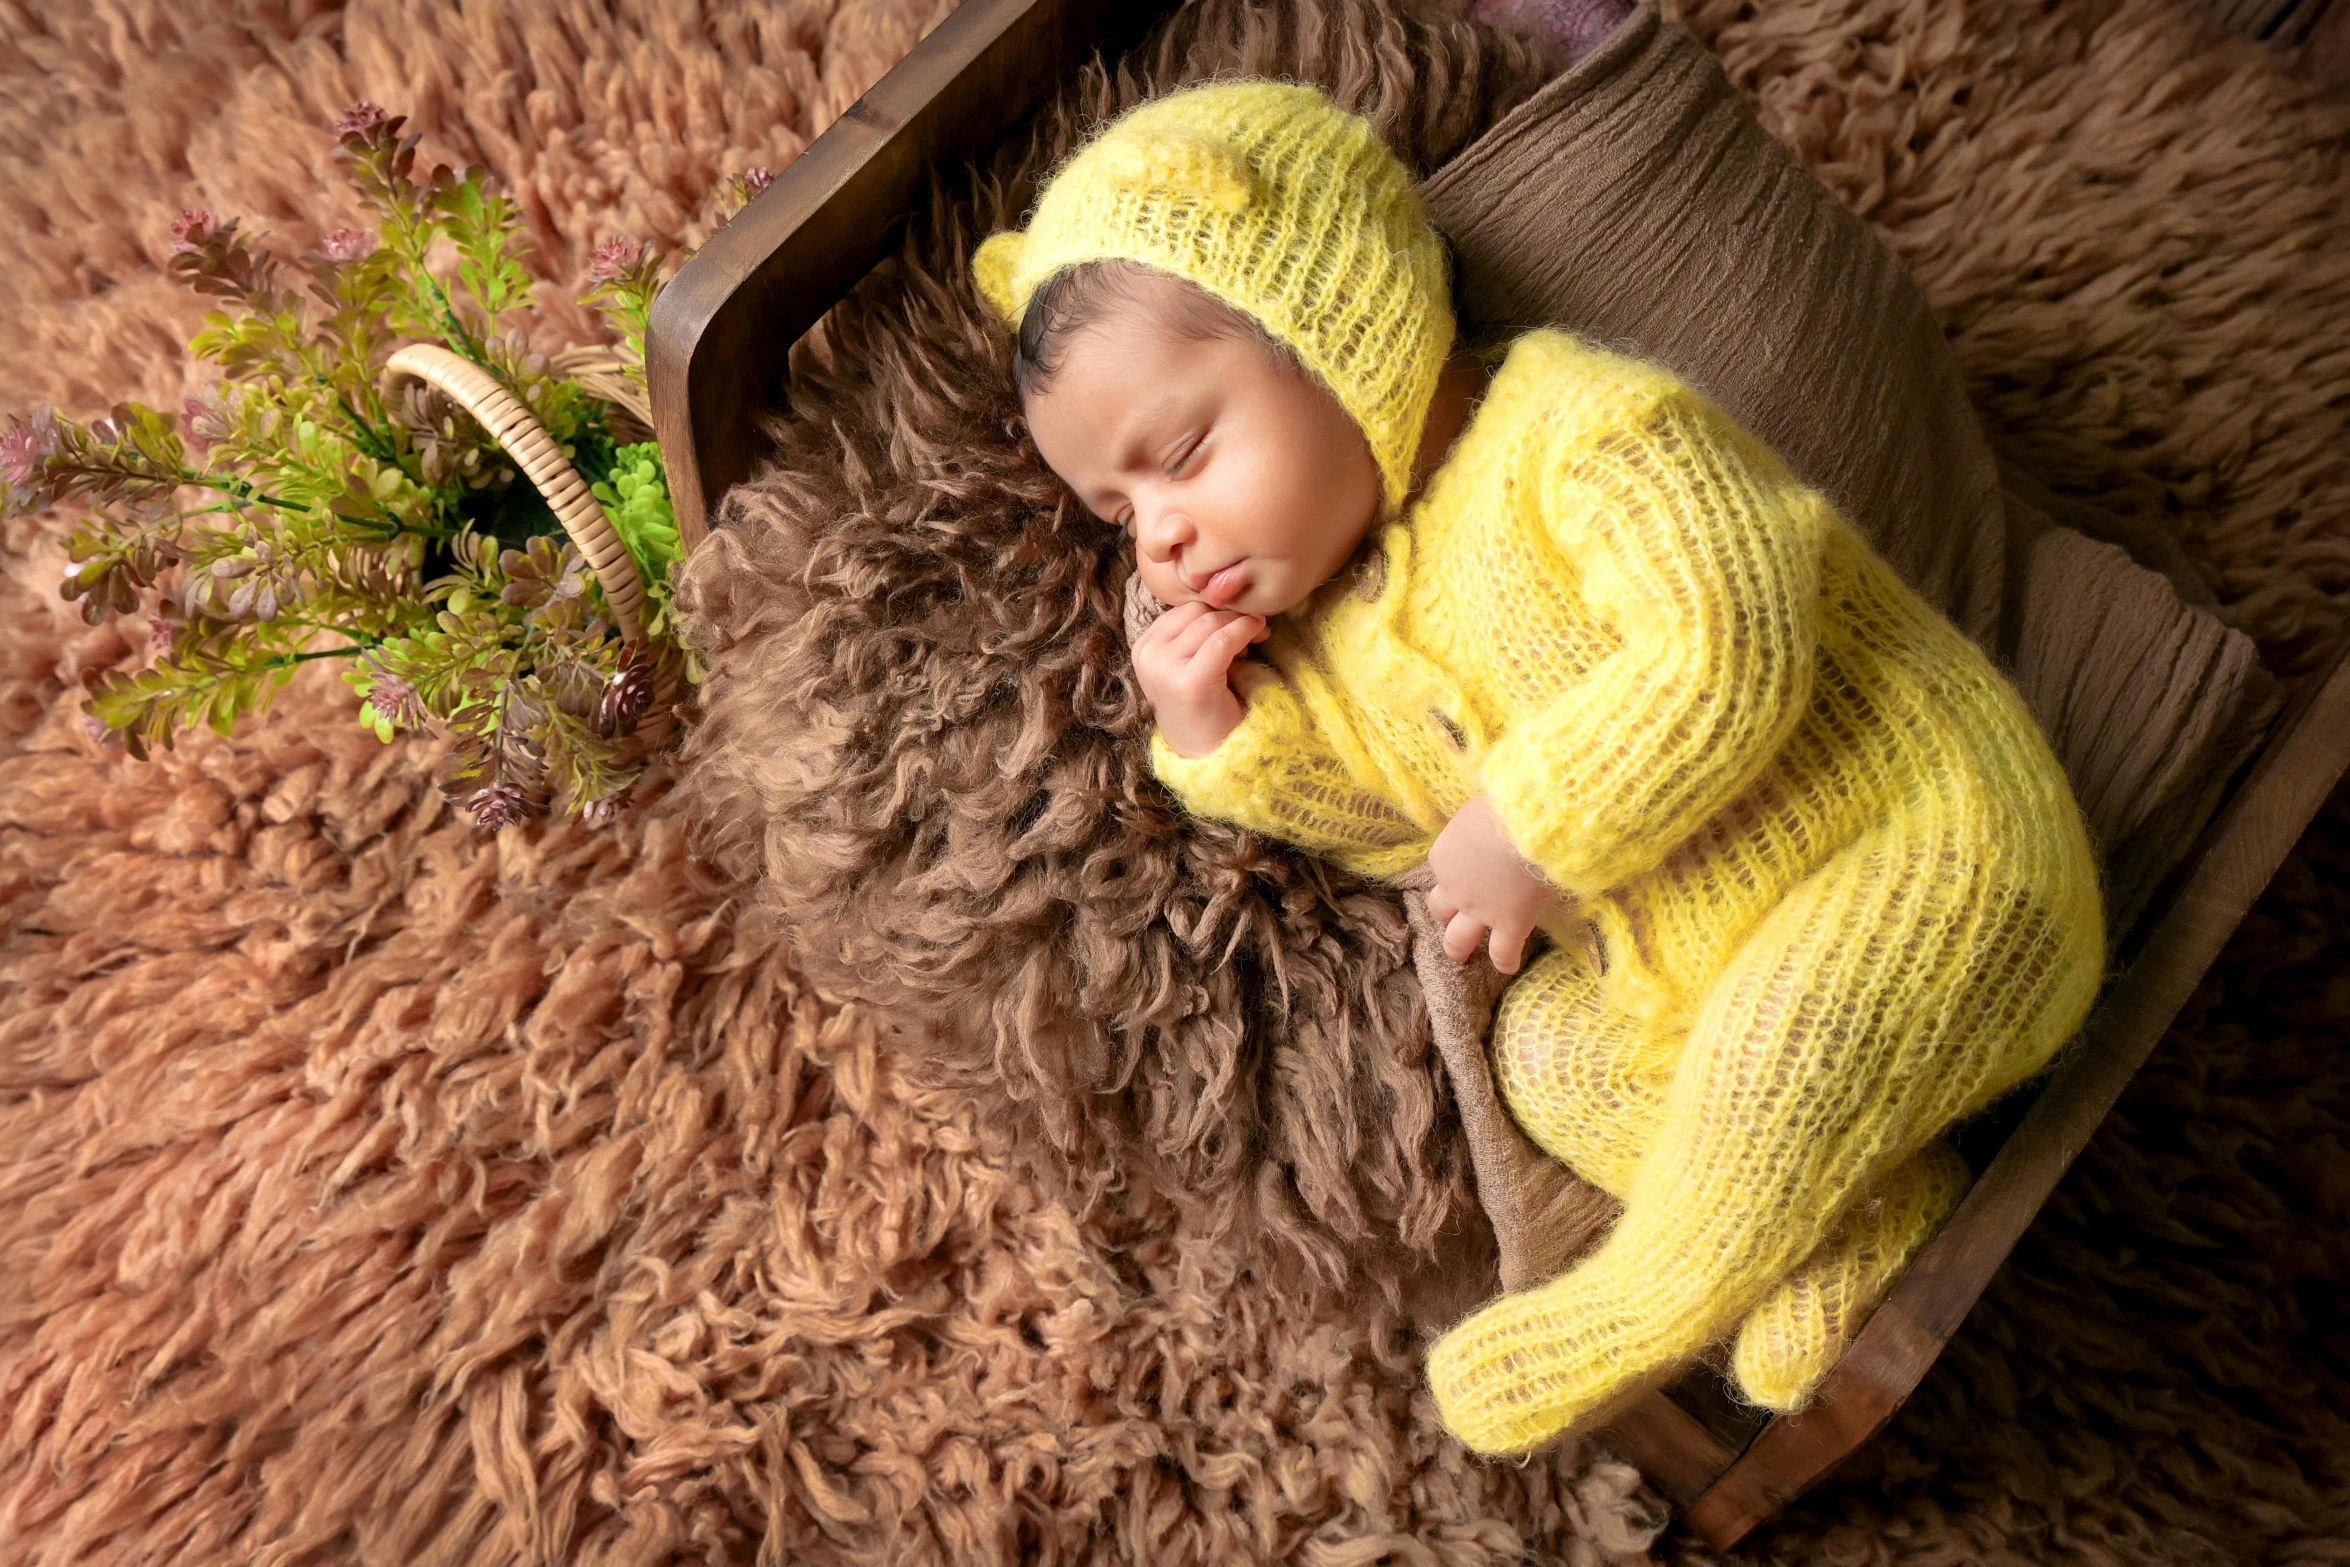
{"x": 1163, "y": 531}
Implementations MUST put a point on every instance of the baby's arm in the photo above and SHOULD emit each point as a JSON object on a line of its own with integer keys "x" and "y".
{"x": 1485, "y": 890}
{"x": 1703, "y": 554}
{"x": 1259, "y": 759}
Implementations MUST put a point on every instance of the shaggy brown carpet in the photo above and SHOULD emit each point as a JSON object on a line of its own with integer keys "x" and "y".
{"x": 371, "y": 1189}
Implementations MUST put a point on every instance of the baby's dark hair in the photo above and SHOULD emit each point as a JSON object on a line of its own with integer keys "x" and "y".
{"x": 1076, "y": 297}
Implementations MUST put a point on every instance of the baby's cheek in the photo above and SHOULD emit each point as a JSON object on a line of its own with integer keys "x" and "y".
{"x": 1321, "y": 509}
{"x": 1163, "y": 583}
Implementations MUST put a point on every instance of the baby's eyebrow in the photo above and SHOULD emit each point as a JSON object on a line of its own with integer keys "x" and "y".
{"x": 1129, "y": 448}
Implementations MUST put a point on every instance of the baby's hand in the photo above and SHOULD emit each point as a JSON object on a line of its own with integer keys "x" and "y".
{"x": 1485, "y": 891}
{"x": 1184, "y": 662}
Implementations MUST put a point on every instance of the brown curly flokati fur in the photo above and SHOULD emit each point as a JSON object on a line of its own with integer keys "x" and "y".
{"x": 922, "y": 728}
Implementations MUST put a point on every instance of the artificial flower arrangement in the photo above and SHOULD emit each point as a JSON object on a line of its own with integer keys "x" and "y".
{"x": 313, "y": 506}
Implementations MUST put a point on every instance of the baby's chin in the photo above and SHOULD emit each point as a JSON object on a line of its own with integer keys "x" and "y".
{"x": 1266, "y": 605}
{"x": 1276, "y": 596}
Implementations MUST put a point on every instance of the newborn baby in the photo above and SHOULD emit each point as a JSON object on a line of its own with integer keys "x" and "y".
{"x": 1813, "y": 886}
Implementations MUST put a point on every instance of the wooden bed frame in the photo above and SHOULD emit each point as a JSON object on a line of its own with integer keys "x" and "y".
{"x": 715, "y": 357}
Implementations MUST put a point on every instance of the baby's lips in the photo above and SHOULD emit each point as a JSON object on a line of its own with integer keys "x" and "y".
{"x": 1225, "y": 586}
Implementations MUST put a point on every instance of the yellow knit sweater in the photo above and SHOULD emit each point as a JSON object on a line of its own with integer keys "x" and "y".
{"x": 1840, "y": 885}
{"x": 1683, "y": 681}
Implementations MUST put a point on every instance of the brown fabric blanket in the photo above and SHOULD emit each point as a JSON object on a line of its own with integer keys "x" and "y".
{"x": 372, "y": 1189}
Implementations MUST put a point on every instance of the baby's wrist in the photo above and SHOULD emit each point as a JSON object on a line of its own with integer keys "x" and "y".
{"x": 1194, "y": 737}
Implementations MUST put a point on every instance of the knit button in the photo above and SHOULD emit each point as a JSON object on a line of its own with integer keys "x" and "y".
{"x": 1452, "y": 731}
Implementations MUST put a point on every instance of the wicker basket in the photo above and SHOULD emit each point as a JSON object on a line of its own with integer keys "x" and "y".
{"x": 516, "y": 429}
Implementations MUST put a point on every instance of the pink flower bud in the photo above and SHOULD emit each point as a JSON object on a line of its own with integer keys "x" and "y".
{"x": 348, "y": 245}
{"x": 189, "y": 231}
{"x": 361, "y": 122}
{"x": 757, "y": 178}
{"x": 204, "y": 420}
{"x": 20, "y": 452}
{"x": 604, "y": 812}
{"x": 612, "y": 259}
{"x": 498, "y": 805}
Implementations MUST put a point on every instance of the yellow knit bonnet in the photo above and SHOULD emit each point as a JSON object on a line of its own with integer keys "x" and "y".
{"x": 1284, "y": 206}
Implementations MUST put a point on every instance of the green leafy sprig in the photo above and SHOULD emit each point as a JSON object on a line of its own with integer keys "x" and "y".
{"x": 304, "y": 509}
{"x": 623, "y": 284}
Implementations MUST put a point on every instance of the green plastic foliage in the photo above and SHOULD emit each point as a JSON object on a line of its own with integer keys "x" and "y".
{"x": 635, "y": 496}
{"x": 305, "y": 509}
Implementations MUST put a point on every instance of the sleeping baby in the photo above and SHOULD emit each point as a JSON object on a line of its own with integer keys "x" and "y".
{"x": 1788, "y": 877}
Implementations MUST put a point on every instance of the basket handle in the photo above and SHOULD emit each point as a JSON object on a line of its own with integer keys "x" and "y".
{"x": 526, "y": 440}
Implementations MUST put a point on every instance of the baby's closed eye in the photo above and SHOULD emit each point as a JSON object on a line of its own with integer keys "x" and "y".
{"x": 1184, "y": 453}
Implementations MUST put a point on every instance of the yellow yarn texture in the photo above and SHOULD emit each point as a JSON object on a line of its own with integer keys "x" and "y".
{"x": 1842, "y": 892}
{"x": 1276, "y": 201}
{"x": 1589, "y": 1084}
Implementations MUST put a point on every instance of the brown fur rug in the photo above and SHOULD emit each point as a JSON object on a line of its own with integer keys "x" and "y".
{"x": 374, "y": 1190}
{"x": 922, "y": 740}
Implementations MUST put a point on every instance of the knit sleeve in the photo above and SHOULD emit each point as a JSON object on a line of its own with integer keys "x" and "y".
{"x": 1703, "y": 555}
{"x": 1277, "y": 774}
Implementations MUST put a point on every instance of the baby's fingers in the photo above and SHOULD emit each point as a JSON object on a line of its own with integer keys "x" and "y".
{"x": 1507, "y": 949}
{"x": 1194, "y": 638}
{"x": 1463, "y": 936}
{"x": 1228, "y": 642}
{"x": 1169, "y": 629}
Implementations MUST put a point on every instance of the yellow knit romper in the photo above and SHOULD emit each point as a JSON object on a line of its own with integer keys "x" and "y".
{"x": 1838, "y": 893}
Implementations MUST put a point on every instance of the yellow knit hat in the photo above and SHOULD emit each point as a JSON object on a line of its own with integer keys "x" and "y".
{"x": 1284, "y": 206}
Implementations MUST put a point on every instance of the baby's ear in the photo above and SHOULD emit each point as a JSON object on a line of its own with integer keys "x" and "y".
{"x": 991, "y": 268}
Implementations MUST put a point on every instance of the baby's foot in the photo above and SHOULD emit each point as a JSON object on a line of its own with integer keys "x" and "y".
{"x": 1802, "y": 1327}
{"x": 1563, "y": 1356}
{"x": 1567, "y": 1355}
